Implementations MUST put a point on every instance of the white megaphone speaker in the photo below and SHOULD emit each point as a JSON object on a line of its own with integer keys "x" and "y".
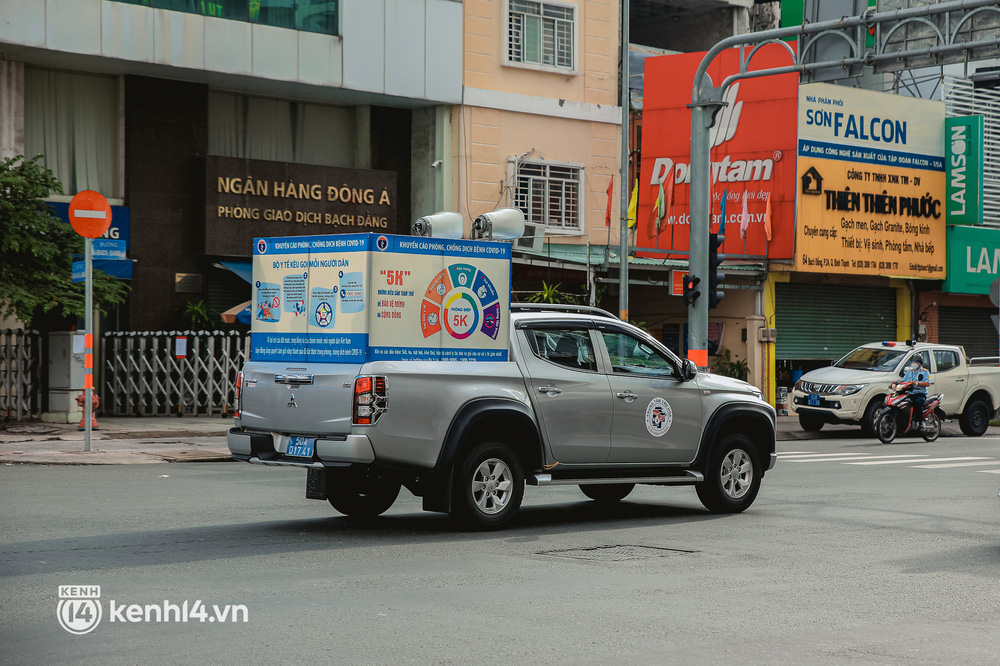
{"x": 446, "y": 224}
{"x": 500, "y": 224}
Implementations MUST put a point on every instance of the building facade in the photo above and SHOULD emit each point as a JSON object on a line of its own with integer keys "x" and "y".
{"x": 215, "y": 122}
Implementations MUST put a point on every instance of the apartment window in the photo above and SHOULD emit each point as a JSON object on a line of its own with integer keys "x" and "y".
{"x": 306, "y": 15}
{"x": 541, "y": 33}
{"x": 549, "y": 193}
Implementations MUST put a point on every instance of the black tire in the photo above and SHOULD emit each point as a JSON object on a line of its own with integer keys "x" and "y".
{"x": 975, "y": 419}
{"x": 811, "y": 422}
{"x": 932, "y": 428}
{"x": 607, "y": 493}
{"x": 488, "y": 487}
{"x": 886, "y": 425}
{"x": 871, "y": 413}
{"x": 729, "y": 487}
{"x": 361, "y": 496}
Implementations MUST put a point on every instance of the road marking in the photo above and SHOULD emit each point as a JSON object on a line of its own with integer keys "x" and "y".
{"x": 989, "y": 471}
{"x": 824, "y": 455}
{"x": 857, "y": 457}
{"x": 962, "y": 464}
{"x": 903, "y": 462}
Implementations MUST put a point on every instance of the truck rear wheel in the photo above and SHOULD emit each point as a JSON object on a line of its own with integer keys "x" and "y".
{"x": 733, "y": 477}
{"x": 488, "y": 486}
{"x": 361, "y": 496}
{"x": 975, "y": 419}
{"x": 607, "y": 493}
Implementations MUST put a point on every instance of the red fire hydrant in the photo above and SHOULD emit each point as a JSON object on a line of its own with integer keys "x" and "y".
{"x": 95, "y": 402}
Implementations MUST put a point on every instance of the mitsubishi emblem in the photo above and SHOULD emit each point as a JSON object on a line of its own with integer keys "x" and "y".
{"x": 291, "y": 401}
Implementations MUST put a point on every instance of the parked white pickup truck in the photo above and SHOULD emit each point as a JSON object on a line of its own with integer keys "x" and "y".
{"x": 853, "y": 389}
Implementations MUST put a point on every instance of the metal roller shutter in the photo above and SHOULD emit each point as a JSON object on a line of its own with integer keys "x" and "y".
{"x": 970, "y": 327}
{"x": 824, "y": 322}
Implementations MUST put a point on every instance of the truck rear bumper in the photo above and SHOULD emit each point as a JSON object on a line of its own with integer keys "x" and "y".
{"x": 257, "y": 447}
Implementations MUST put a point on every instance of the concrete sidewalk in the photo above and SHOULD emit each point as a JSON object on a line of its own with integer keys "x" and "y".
{"x": 118, "y": 440}
{"x": 123, "y": 440}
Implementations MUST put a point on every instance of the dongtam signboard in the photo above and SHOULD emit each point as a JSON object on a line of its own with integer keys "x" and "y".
{"x": 871, "y": 183}
{"x": 752, "y": 157}
{"x": 360, "y": 297}
{"x": 245, "y": 199}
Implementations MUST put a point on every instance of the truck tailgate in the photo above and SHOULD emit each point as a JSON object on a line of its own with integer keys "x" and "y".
{"x": 309, "y": 398}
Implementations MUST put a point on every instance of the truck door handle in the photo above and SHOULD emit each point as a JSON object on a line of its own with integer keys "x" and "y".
{"x": 627, "y": 396}
{"x": 551, "y": 390}
{"x": 960, "y": 379}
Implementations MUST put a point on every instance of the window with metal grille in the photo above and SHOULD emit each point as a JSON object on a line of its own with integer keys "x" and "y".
{"x": 540, "y": 33}
{"x": 549, "y": 194}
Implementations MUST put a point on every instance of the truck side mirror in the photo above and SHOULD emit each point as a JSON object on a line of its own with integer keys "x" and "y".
{"x": 690, "y": 370}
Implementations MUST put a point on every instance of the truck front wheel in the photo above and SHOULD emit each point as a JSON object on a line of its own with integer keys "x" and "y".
{"x": 489, "y": 486}
{"x": 361, "y": 496}
{"x": 733, "y": 476}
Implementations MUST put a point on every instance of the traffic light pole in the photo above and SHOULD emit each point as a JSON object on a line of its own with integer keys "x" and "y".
{"x": 702, "y": 119}
{"x": 706, "y": 100}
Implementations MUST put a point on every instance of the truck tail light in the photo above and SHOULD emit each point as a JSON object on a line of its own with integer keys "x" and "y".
{"x": 238, "y": 407}
{"x": 371, "y": 399}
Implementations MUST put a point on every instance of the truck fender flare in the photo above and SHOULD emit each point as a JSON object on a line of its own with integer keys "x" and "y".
{"x": 981, "y": 387}
{"x": 474, "y": 411}
{"x": 760, "y": 417}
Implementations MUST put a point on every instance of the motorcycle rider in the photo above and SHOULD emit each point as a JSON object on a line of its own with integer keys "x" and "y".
{"x": 921, "y": 379}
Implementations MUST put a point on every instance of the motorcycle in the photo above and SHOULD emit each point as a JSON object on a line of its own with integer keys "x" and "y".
{"x": 896, "y": 416}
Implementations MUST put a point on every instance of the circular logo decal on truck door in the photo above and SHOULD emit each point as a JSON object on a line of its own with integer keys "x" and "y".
{"x": 659, "y": 416}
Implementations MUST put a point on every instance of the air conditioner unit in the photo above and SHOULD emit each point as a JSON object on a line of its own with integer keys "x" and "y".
{"x": 533, "y": 238}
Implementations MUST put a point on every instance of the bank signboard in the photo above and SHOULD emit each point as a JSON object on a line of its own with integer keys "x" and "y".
{"x": 752, "y": 156}
{"x": 246, "y": 199}
{"x": 360, "y": 297}
{"x": 963, "y": 137}
{"x": 871, "y": 183}
{"x": 973, "y": 260}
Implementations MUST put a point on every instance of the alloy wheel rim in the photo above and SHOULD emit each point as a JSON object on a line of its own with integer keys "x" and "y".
{"x": 492, "y": 486}
{"x": 737, "y": 473}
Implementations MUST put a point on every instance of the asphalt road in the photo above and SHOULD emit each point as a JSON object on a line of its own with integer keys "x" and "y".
{"x": 836, "y": 563}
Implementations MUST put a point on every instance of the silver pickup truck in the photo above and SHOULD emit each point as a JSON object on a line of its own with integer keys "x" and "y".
{"x": 586, "y": 399}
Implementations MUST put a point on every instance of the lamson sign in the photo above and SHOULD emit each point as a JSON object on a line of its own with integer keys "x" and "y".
{"x": 245, "y": 199}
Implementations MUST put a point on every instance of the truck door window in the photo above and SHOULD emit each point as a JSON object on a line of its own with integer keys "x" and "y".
{"x": 634, "y": 357}
{"x": 946, "y": 359}
{"x": 566, "y": 347}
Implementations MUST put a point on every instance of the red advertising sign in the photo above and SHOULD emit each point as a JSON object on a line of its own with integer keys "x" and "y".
{"x": 753, "y": 148}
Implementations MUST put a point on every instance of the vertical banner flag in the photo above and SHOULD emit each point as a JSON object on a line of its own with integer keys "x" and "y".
{"x": 607, "y": 214}
{"x": 767, "y": 217}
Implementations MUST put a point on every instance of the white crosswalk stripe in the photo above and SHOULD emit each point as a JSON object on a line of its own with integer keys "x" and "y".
{"x": 960, "y": 464}
{"x": 903, "y": 462}
{"x": 817, "y": 455}
{"x": 855, "y": 457}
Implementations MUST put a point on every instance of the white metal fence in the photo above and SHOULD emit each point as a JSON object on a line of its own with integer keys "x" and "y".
{"x": 20, "y": 374}
{"x": 143, "y": 375}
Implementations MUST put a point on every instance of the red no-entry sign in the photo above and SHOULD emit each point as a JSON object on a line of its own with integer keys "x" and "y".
{"x": 90, "y": 214}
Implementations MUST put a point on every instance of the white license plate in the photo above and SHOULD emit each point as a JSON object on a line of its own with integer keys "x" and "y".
{"x": 300, "y": 447}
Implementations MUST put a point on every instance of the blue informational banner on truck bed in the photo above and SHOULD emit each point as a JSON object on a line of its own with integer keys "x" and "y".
{"x": 364, "y": 297}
